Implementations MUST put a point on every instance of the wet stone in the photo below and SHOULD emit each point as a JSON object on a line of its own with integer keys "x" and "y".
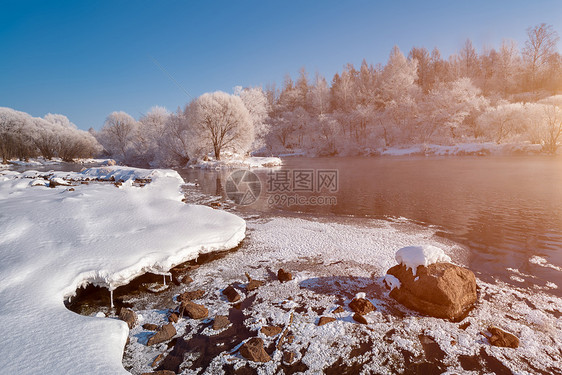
{"x": 231, "y": 294}
{"x": 360, "y": 318}
{"x": 220, "y": 322}
{"x": 271, "y": 331}
{"x": 129, "y": 317}
{"x": 193, "y": 310}
{"x": 284, "y": 276}
{"x": 325, "y": 320}
{"x": 502, "y": 338}
{"x": 253, "y": 350}
{"x": 150, "y": 326}
{"x": 165, "y": 333}
{"x": 191, "y": 295}
{"x": 361, "y": 306}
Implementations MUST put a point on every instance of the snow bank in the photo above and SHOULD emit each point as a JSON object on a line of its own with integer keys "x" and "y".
{"x": 54, "y": 240}
{"x": 478, "y": 149}
{"x": 54, "y": 161}
{"x": 414, "y": 256}
{"x": 236, "y": 161}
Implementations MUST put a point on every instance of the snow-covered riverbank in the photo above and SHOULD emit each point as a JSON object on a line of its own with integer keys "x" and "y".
{"x": 53, "y": 240}
{"x": 331, "y": 262}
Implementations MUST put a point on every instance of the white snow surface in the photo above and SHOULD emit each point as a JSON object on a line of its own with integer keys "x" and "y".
{"x": 392, "y": 282}
{"x": 237, "y": 161}
{"x": 53, "y": 240}
{"x": 414, "y": 256}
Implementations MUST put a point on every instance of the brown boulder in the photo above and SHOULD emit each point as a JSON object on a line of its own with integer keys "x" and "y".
{"x": 253, "y": 350}
{"x": 159, "y": 372}
{"x": 283, "y": 275}
{"x": 150, "y": 326}
{"x": 231, "y": 294}
{"x": 338, "y": 310}
{"x": 191, "y": 295}
{"x": 187, "y": 279}
{"x": 288, "y": 358}
{"x": 361, "y": 306}
{"x": 165, "y": 333}
{"x": 220, "y": 322}
{"x": 253, "y": 285}
{"x": 503, "y": 338}
{"x": 360, "y": 318}
{"x": 193, "y": 310}
{"x": 271, "y": 331}
{"x": 442, "y": 290}
{"x": 325, "y": 320}
{"x": 129, "y": 317}
{"x": 173, "y": 318}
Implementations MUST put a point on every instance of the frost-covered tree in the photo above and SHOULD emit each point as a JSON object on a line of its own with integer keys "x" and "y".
{"x": 550, "y": 129}
{"x": 503, "y": 121}
{"x": 506, "y": 67}
{"x": 446, "y": 109}
{"x": 258, "y": 107}
{"x": 320, "y": 95}
{"x": 118, "y": 134}
{"x": 539, "y": 47}
{"x": 220, "y": 122}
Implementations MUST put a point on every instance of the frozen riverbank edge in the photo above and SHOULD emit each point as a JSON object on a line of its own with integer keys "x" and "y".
{"x": 54, "y": 240}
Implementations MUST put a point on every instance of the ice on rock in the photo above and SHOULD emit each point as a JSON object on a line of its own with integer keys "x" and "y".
{"x": 392, "y": 282}
{"x": 414, "y": 256}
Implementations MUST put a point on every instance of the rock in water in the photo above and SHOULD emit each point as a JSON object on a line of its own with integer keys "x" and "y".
{"x": 231, "y": 294}
{"x": 503, "y": 338}
{"x": 361, "y": 306}
{"x": 163, "y": 334}
{"x": 193, "y": 310}
{"x": 283, "y": 275}
{"x": 129, "y": 317}
{"x": 441, "y": 290}
{"x": 253, "y": 350}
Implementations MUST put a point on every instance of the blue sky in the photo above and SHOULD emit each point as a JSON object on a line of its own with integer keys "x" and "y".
{"x": 86, "y": 59}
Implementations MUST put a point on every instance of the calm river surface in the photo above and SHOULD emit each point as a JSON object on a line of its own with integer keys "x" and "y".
{"x": 504, "y": 210}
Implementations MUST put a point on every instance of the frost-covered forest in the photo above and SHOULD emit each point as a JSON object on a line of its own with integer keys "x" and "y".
{"x": 23, "y": 136}
{"x": 502, "y": 94}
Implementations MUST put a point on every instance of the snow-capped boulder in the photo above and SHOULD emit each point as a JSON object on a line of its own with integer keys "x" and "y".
{"x": 430, "y": 286}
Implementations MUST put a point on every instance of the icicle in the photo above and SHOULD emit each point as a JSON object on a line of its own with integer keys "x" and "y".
{"x": 70, "y": 299}
{"x": 164, "y": 280}
{"x": 111, "y": 297}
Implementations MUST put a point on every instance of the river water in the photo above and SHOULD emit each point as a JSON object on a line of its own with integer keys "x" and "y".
{"x": 506, "y": 211}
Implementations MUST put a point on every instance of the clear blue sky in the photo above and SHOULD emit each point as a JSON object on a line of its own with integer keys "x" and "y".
{"x": 86, "y": 59}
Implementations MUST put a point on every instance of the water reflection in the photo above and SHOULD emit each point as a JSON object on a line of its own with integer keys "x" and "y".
{"x": 504, "y": 209}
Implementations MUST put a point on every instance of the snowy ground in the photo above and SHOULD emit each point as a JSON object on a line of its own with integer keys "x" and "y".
{"x": 487, "y": 148}
{"x": 54, "y": 161}
{"x": 331, "y": 263}
{"x": 232, "y": 161}
{"x": 89, "y": 230}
